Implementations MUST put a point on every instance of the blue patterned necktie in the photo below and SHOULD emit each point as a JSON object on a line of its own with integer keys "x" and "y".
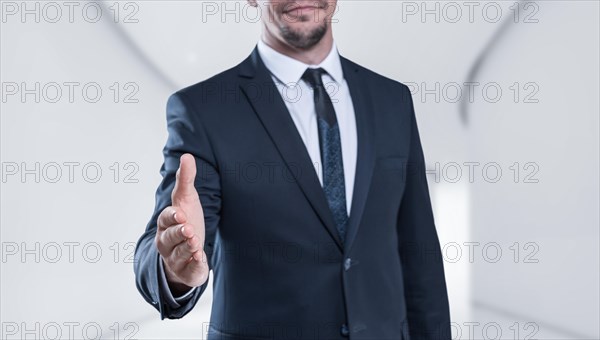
{"x": 331, "y": 150}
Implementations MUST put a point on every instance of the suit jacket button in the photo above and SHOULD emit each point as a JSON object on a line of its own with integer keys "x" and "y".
{"x": 344, "y": 330}
{"x": 347, "y": 264}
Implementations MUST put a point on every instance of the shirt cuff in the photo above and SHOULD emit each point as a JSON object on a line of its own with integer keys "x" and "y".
{"x": 173, "y": 302}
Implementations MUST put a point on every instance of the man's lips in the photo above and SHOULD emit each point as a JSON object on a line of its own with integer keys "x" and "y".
{"x": 301, "y": 8}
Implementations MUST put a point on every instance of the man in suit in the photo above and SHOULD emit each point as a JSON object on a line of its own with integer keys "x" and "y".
{"x": 297, "y": 177}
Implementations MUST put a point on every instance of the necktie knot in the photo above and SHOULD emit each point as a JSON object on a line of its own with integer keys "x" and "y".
{"x": 313, "y": 76}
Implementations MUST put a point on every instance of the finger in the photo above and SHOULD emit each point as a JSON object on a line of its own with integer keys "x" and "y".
{"x": 186, "y": 252}
{"x": 184, "y": 179}
{"x": 174, "y": 236}
{"x": 195, "y": 270}
{"x": 170, "y": 216}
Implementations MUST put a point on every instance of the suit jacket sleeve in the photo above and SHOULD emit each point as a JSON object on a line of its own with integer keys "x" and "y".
{"x": 422, "y": 263}
{"x": 186, "y": 134}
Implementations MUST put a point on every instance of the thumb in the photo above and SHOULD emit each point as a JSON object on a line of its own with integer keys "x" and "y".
{"x": 184, "y": 179}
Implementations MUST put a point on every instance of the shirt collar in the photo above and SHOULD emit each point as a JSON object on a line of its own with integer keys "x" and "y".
{"x": 289, "y": 70}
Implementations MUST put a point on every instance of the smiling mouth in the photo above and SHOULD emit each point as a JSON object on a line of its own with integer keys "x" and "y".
{"x": 301, "y": 8}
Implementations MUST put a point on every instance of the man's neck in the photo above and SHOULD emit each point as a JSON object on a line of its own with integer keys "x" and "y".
{"x": 313, "y": 56}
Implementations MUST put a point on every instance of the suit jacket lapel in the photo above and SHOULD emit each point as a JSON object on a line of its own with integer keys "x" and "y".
{"x": 259, "y": 88}
{"x": 366, "y": 152}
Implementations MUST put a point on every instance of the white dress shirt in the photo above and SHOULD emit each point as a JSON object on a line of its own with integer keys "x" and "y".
{"x": 298, "y": 97}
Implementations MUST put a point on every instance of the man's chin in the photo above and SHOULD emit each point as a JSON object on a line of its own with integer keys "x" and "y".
{"x": 303, "y": 37}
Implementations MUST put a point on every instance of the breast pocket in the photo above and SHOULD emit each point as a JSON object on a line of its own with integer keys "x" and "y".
{"x": 387, "y": 188}
{"x": 391, "y": 163}
{"x": 390, "y": 172}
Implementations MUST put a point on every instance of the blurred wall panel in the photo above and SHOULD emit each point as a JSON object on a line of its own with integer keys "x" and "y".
{"x": 541, "y": 212}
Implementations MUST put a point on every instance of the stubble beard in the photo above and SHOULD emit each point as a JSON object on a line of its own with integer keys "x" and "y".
{"x": 303, "y": 40}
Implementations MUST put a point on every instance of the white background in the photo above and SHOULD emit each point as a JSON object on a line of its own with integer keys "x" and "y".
{"x": 54, "y": 280}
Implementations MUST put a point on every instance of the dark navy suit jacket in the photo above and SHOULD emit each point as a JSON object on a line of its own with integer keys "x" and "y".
{"x": 279, "y": 268}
